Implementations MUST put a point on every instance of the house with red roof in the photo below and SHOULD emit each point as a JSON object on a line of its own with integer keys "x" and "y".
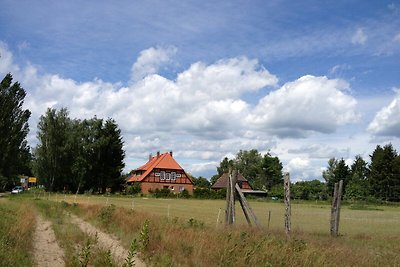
{"x": 161, "y": 171}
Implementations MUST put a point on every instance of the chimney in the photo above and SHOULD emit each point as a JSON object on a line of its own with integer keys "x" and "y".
{"x": 150, "y": 156}
{"x": 158, "y": 154}
{"x": 170, "y": 153}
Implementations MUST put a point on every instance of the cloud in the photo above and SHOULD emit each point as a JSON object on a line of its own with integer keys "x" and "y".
{"x": 387, "y": 121}
{"x": 320, "y": 151}
{"x": 6, "y": 60}
{"x": 150, "y": 60}
{"x": 339, "y": 69}
{"x": 359, "y": 37}
{"x": 309, "y": 104}
{"x": 201, "y": 115}
{"x": 301, "y": 168}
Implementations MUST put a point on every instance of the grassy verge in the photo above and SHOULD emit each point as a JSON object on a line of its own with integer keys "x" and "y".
{"x": 79, "y": 248}
{"x": 16, "y": 233}
{"x": 181, "y": 242}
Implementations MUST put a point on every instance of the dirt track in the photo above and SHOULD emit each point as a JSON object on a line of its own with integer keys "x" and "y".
{"x": 47, "y": 252}
{"x": 105, "y": 241}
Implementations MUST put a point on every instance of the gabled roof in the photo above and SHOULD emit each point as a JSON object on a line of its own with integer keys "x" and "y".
{"x": 222, "y": 181}
{"x": 160, "y": 161}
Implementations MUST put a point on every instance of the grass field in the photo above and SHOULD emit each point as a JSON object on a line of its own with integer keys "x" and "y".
{"x": 185, "y": 232}
{"x": 310, "y": 217}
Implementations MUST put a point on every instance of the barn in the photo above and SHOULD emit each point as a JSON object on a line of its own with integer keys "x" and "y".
{"x": 161, "y": 171}
{"x": 243, "y": 183}
{"x": 222, "y": 182}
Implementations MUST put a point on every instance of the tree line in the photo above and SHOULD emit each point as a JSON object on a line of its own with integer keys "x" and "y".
{"x": 71, "y": 154}
{"x": 78, "y": 155}
{"x": 379, "y": 179}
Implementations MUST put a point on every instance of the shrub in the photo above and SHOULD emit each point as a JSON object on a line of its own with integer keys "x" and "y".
{"x": 162, "y": 193}
{"x": 185, "y": 194}
{"x": 134, "y": 189}
{"x": 106, "y": 214}
{"x": 206, "y": 193}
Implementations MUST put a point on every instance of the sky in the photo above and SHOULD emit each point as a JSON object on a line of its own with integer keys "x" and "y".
{"x": 302, "y": 80}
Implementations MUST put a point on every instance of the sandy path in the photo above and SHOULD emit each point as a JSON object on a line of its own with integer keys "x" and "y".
{"x": 105, "y": 241}
{"x": 47, "y": 252}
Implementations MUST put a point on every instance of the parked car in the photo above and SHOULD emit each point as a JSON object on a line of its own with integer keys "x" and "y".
{"x": 18, "y": 189}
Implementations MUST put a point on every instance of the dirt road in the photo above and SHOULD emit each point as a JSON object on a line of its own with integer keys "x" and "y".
{"x": 105, "y": 241}
{"x": 47, "y": 252}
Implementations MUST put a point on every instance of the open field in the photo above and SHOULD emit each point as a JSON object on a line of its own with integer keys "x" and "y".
{"x": 191, "y": 236}
{"x": 310, "y": 217}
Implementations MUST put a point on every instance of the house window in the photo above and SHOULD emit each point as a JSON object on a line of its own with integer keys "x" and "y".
{"x": 167, "y": 176}
{"x": 181, "y": 188}
{"x": 157, "y": 174}
{"x": 178, "y": 175}
{"x": 162, "y": 175}
{"x": 173, "y": 176}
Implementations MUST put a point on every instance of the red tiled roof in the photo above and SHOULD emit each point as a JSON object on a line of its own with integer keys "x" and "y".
{"x": 162, "y": 161}
{"x": 222, "y": 181}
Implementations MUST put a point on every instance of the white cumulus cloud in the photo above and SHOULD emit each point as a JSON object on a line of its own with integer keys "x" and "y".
{"x": 150, "y": 60}
{"x": 309, "y": 104}
{"x": 201, "y": 115}
{"x": 387, "y": 121}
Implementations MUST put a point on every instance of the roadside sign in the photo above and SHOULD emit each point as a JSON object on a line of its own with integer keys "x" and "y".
{"x": 32, "y": 179}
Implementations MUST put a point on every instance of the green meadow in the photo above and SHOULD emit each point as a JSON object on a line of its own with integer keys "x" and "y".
{"x": 310, "y": 217}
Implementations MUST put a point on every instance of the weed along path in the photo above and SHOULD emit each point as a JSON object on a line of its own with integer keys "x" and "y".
{"x": 106, "y": 241}
{"x": 47, "y": 252}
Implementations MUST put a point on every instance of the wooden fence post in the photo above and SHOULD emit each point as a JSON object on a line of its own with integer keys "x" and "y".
{"x": 287, "y": 204}
{"x": 335, "y": 210}
{"x": 230, "y": 197}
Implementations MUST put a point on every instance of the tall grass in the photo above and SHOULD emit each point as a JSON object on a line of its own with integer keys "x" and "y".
{"x": 178, "y": 242}
{"x": 16, "y": 233}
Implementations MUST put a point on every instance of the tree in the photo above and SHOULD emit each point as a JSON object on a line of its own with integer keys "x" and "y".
{"x": 52, "y": 157}
{"x": 14, "y": 150}
{"x": 384, "y": 176}
{"x": 271, "y": 171}
{"x": 112, "y": 155}
{"x": 329, "y": 174}
{"x": 78, "y": 155}
{"x": 201, "y": 182}
{"x": 249, "y": 164}
{"x": 308, "y": 190}
{"x": 224, "y": 167}
{"x": 262, "y": 172}
{"x": 358, "y": 187}
{"x": 342, "y": 172}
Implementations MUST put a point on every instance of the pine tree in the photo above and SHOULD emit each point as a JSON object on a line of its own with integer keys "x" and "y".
{"x": 384, "y": 178}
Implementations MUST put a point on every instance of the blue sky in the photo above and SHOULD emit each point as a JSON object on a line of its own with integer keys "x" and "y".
{"x": 305, "y": 80}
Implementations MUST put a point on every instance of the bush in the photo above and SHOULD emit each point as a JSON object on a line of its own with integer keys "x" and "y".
{"x": 185, "y": 194}
{"x": 106, "y": 214}
{"x": 134, "y": 189}
{"x": 206, "y": 193}
{"x": 161, "y": 193}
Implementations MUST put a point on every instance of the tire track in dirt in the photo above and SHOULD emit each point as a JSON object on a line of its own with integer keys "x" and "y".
{"x": 46, "y": 250}
{"x": 105, "y": 241}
